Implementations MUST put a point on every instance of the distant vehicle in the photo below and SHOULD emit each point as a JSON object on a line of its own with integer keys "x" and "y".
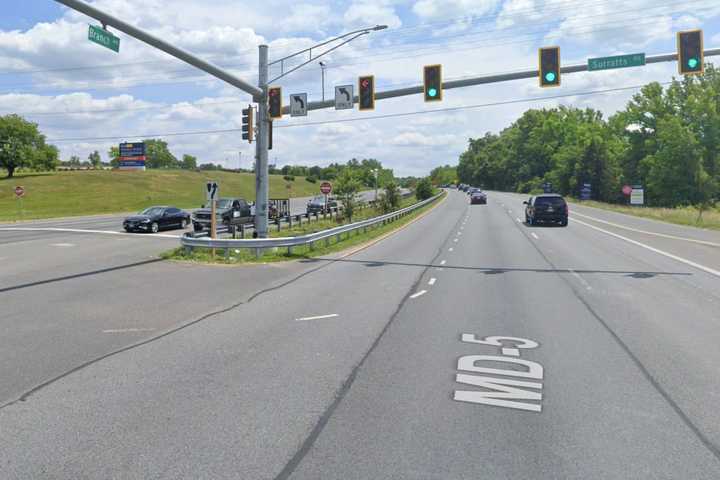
{"x": 317, "y": 204}
{"x": 228, "y": 211}
{"x": 472, "y": 190}
{"x": 549, "y": 207}
{"x": 478, "y": 198}
{"x": 154, "y": 219}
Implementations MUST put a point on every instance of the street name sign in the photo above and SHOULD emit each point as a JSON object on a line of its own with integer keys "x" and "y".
{"x": 102, "y": 37}
{"x": 619, "y": 61}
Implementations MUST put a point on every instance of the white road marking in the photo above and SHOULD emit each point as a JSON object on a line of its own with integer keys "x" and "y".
{"x": 518, "y": 219}
{"x": 432, "y": 281}
{"x": 443, "y": 262}
{"x": 455, "y": 240}
{"x": 450, "y": 249}
{"x": 534, "y": 235}
{"x": 62, "y": 244}
{"x": 319, "y": 317}
{"x": 78, "y": 230}
{"x": 652, "y": 249}
{"x": 582, "y": 280}
{"x": 418, "y": 294}
{"x": 129, "y": 330}
{"x": 511, "y": 352}
{"x": 674, "y": 237}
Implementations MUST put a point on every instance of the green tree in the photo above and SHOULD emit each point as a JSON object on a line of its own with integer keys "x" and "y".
{"x": 346, "y": 190}
{"x": 95, "y": 159}
{"x": 189, "y": 162}
{"x": 390, "y": 198}
{"x": 45, "y": 158}
{"x": 424, "y": 189}
{"x": 114, "y": 154}
{"x": 158, "y": 155}
{"x": 21, "y": 143}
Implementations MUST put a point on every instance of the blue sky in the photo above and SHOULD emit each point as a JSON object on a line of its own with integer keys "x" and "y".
{"x": 51, "y": 74}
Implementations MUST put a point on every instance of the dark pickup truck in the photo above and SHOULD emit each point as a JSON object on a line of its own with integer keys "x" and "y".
{"x": 229, "y": 211}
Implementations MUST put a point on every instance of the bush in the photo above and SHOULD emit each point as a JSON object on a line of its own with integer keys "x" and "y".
{"x": 424, "y": 189}
{"x": 289, "y": 178}
{"x": 390, "y": 198}
{"x": 311, "y": 179}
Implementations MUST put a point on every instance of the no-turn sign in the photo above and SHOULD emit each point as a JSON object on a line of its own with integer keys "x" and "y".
{"x": 326, "y": 188}
{"x": 19, "y": 191}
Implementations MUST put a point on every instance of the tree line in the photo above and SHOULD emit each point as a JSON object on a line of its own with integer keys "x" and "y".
{"x": 666, "y": 139}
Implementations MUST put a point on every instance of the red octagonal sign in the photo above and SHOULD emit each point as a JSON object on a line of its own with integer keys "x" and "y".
{"x": 326, "y": 188}
{"x": 19, "y": 191}
{"x": 627, "y": 189}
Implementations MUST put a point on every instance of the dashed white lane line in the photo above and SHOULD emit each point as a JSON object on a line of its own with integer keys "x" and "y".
{"x": 653, "y": 249}
{"x": 62, "y": 245}
{"x": 663, "y": 235}
{"x": 129, "y": 330}
{"x": 443, "y": 262}
{"x": 455, "y": 240}
{"x": 582, "y": 280}
{"x": 450, "y": 249}
{"x": 418, "y": 294}
{"x": 534, "y": 235}
{"x": 432, "y": 281}
{"x": 318, "y": 317}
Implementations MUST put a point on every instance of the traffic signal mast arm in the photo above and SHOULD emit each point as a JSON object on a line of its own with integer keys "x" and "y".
{"x": 503, "y": 77}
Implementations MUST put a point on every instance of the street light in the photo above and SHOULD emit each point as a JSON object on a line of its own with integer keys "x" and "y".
{"x": 322, "y": 67}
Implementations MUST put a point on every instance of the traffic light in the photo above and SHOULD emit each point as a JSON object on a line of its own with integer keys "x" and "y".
{"x": 275, "y": 102}
{"x": 366, "y": 93}
{"x": 432, "y": 77}
{"x": 248, "y": 128}
{"x": 690, "y": 52}
{"x": 549, "y": 59}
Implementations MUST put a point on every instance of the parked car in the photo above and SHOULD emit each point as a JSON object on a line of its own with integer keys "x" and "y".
{"x": 317, "y": 204}
{"x": 549, "y": 207}
{"x": 228, "y": 211}
{"x": 478, "y": 198}
{"x": 154, "y": 219}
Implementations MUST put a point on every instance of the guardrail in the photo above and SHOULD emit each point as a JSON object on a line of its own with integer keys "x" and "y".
{"x": 260, "y": 244}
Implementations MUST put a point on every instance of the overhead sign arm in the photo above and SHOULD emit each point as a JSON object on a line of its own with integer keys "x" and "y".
{"x": 152, "y": 40}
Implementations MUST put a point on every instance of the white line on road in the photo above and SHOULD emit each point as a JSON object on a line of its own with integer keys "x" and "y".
{"x": 319, "y": 317}
{"x": 418, "y": 294}
{"x": 450, "y": 249}
{"x": 518, "y": 219}
{"x": 534, "y": 235}
{"x": 674, "y": 237}
{"x": 432, "y": 281}
{"x": 443, "y": 262}
{"x": 455, "y": 240}
{"x": 511, "y": 352}
{"x": 77, "y": 230}
{"x": 129, "y": 330}
{"x": 582, "y": 280}
{"x": 62, "y": 244}
{"x": 652, "y": 249}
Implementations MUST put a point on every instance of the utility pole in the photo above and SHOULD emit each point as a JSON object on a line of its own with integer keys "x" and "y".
{"x": 261, "y": 148}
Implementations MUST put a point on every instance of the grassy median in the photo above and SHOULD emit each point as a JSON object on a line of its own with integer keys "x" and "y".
{"x": 681, "y": 216}
{"x": 320, "y": 248}
{"x": 64, "y": 194}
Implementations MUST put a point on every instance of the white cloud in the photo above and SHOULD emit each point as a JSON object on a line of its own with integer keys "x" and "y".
{"x": 436, "y": 9}
{"x": 364, "y": 14}
{"x": 417, "y": 139}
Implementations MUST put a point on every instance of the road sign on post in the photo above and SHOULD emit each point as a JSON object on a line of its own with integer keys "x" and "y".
{"x": 326, "y": 188}
{"x": 132, "y": 156}
{"x": 102, "y": 37}
{"x": 637, "y": 196}
{"x": 298, "y": 105}
{"x": 344, "y": 97}
{"x": 19, "y": 191}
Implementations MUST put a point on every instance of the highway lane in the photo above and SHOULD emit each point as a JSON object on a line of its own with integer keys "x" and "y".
{"x": 350, "y": 371}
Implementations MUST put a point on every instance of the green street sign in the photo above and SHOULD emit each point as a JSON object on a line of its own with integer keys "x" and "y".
{"x": 620, "y": 61}
{"x": 104, "y": 38}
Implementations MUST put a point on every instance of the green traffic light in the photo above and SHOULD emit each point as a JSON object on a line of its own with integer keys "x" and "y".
{"x": 550, "y": 76}
{"x": 693, "y": 63}
{"x": 432, "y": 92}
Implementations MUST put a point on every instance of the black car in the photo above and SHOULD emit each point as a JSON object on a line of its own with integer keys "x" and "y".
{"x": 154, "y": 219}
{"x": 478, "y": 197}
{"x": 549, "y": 207}
{"x": 317, "y": 205}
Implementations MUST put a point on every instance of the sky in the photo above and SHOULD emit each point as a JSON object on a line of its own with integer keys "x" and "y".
{"x": 85, "y": 97}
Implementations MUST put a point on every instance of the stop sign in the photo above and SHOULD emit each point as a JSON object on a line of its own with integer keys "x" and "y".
{"x": 627, "y": 189}
{"x": 19, "y": 191}
{"x": 325, "y": 188}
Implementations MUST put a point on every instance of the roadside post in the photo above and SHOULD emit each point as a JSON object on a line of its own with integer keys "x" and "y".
{"x": 325, "y": 189}
{"x": 212, "y": 195}
{"x": 19, "y": 194}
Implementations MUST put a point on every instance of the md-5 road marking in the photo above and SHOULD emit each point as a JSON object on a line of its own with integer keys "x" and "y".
{"x": 501, "y": 392}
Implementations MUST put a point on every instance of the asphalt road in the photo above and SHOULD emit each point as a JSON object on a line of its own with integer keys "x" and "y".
{"x": 385, "y": 363}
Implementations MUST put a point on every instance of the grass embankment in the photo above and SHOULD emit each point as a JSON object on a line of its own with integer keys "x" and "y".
{"x": 680, "y": 216}
{"x": 201, "y": 255}
{"x": 64, "y": 194}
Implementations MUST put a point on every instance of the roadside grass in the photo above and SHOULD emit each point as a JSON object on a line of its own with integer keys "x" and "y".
{"x": 680, "y": 216}
{"x": 65, "y": 194}
{"x": 332, "y": 245}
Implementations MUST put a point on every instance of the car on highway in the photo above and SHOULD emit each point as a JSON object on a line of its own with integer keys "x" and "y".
{"x": 478, "y": 198}
{"x": 154, "y": 219}
{"x": 228, "y": 211}
{"x": 548, "y": 207}
{"x": 317, "y": 204}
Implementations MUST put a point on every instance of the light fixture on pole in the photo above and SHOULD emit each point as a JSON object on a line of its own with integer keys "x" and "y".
{"x": 323, "y": 65}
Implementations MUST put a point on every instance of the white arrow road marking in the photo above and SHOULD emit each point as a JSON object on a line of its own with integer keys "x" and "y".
{"x": 652, "y": 249}
{"x": 319, "y": 317}
{"x": 418, "y": 294}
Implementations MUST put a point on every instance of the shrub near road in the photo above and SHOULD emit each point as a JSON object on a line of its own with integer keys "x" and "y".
{"x": 64, "y": 194}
